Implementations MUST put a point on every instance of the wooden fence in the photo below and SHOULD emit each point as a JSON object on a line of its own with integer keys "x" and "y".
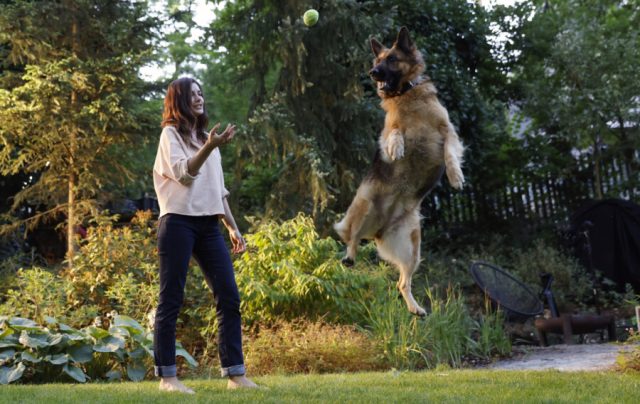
{"x": 545, "y": 200}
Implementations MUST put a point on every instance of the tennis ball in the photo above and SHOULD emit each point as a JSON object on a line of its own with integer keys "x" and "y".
{"x": 310, "y": 17}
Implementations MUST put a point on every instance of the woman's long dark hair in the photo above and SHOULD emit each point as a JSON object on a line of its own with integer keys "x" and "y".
{"x": 177, "y": 110}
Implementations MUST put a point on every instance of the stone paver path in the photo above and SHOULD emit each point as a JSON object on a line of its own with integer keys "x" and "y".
{"x": 570, "y": 358}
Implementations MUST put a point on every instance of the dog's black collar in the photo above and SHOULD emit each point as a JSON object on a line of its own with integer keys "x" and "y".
{"x": 406, "y": 87}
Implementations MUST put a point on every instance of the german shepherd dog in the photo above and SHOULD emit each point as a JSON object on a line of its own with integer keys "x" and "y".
{"x": 417, "y": 145}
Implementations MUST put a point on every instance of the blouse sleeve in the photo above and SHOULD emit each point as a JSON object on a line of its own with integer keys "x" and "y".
{"x": 174, "y": 158}
{"x": 223, "y": 190}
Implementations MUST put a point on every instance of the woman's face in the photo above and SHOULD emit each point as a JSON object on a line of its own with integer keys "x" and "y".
{"x": 197, "y": 101}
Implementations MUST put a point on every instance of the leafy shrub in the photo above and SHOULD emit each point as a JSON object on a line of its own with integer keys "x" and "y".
{"x": 116, "y": 268}
{"x": 290, "y": 272}
{"x": 630, "y": 360}
{"x": 38, "y": 292}
{"x": 33, "y": 353}
{"x": 572, "y": 286}
{"x": 303, "y": 346}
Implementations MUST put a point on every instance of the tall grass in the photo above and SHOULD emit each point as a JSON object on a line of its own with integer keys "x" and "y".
{"x": 444, "y": 337}
{"x": 448, "y": 327}
{"x": 397, "y": 331}
{"x": 491, "y": 337}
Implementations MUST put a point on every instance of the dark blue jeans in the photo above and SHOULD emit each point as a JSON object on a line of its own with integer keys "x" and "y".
{"x": 179, "y": 237}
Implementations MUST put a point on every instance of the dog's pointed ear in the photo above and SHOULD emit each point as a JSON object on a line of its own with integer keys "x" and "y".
{"x": 376, "y": 47}
{"x": 403, "y": 41}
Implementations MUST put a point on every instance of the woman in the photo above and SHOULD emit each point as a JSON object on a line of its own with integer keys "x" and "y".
{"x": 189, "y": 183}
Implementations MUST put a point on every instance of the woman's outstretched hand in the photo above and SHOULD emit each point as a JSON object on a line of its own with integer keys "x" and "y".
{"x": 217, "y": 140}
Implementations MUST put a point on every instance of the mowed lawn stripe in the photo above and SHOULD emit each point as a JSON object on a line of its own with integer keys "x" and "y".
{"x": 439, "y": 386}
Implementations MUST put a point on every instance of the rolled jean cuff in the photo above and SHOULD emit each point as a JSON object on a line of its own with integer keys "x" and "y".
{"x": 166, "y": 371}
{"x": 236, "y": 370}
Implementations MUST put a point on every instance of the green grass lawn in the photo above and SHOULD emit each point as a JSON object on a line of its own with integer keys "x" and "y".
{"x": 434, "y": 386}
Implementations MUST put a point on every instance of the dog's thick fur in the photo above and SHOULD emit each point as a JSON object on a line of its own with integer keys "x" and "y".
{"x": 417, "y": 144}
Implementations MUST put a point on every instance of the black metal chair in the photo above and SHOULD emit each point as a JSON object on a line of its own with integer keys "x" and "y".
{"x": 513, "y": 296}
{"x": 519, "y": 302}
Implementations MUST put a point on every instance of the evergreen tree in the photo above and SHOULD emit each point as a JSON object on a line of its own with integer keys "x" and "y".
{"x": 72, "y": 115}
{"x": 313, "y": 112}
{"x": 313, "y": 115}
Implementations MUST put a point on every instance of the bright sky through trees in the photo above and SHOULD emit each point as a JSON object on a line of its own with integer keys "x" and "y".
{"x": 204, "y": 14}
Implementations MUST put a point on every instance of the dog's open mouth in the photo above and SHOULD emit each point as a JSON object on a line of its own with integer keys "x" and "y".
{"x": 385, "y": 86}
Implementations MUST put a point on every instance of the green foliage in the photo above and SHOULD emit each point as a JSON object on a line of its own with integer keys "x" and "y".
{"x": 30, "y": 352}
{"x": 290, "y": 272}
{"x": 444, "y": 337}
{"x": 115, "y": 271}
{"x": 491, "y": 336}
{"x": 448, "y": 327}
{"x": 177, "y": 47}
{"x": 38, "y": 293}
{"x": 629, "y": 360}
{"x": 312, "y": 110}
{"x": 572, "y": 286}
{"x": 399, "y": 333}
{"x": 582, "y": 52}
{"x": 69, "y": 101}
{"x": 309, "y": 120}
{"x": 116, "y": 268}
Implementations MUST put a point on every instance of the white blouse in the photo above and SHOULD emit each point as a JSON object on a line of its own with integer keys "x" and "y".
{"x": 177, "y": 190}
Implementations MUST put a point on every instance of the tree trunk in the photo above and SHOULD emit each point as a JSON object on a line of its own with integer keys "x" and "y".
{"x": 628, "y": 155}
{"x": 71, "y": 222}
{"x": 597, "y": 172}
{"x": 73, "y": 146}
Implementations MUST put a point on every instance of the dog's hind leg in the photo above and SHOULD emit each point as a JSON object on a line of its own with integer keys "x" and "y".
{"x": 453, "y": 152}
{"x": 350, "y": 228}
{"x": 400, "y": 246}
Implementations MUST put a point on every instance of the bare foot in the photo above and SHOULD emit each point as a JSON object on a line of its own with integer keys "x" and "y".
{"x": 173, "y": 384}
{"x": 240, "y": 382}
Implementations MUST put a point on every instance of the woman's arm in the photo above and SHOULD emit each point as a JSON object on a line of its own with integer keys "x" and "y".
{"x": 237, "y": 241}
{"x": 214, "y": 140}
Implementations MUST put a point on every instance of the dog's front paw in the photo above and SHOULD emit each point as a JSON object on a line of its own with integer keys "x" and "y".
{"x": 395, "y": 146}
{"x": 455, "y": 176}
{"x": 418, "y": 311}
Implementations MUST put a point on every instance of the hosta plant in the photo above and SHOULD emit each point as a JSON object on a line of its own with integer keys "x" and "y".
{"x": 30, "y": 352}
